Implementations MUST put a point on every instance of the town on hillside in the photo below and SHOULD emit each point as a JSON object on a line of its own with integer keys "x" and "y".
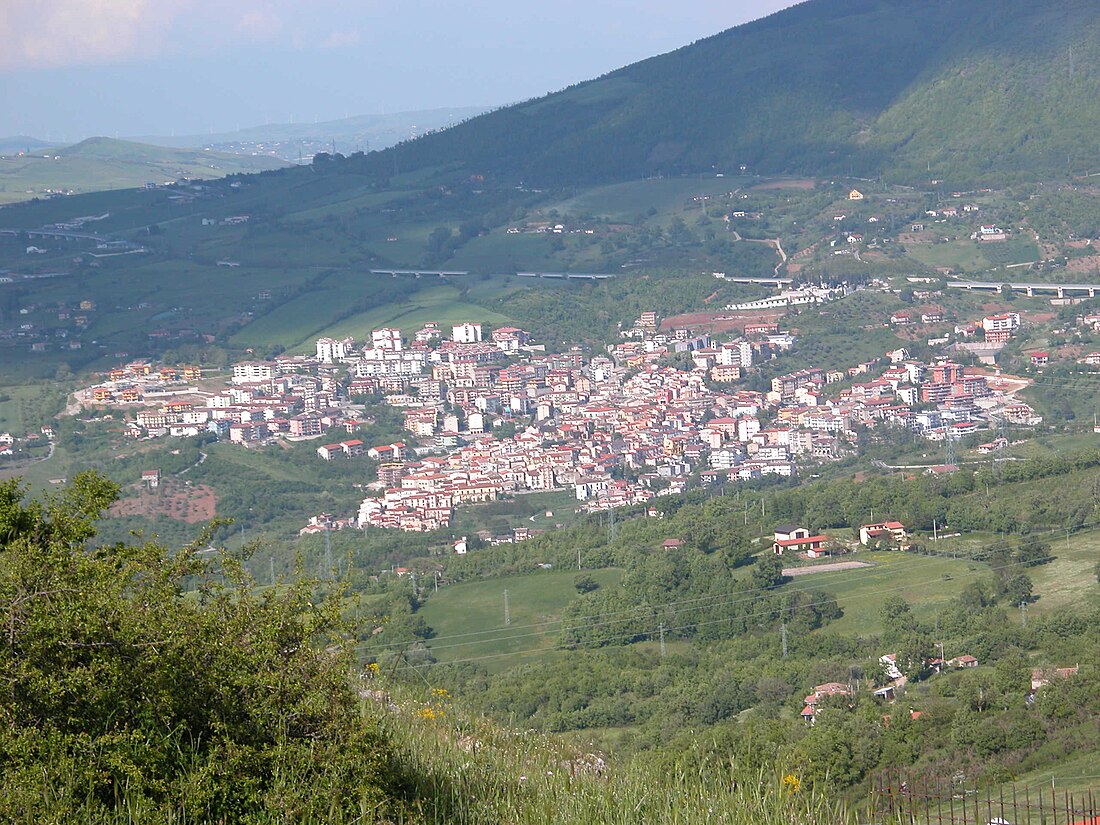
{"x": 489, "y": 413}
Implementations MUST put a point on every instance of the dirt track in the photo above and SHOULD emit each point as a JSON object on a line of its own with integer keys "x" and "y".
{"x": 825, "y": 568}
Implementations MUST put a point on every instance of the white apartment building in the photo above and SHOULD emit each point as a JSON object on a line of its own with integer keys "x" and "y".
{"x": 1005, "y": 322}
{"x": 331, "y": 350}
{"x": 466, "y": 333}
{"x": 253, "y": 372}
{"x": 387, "y": 339}
{"x": 735, "y": 354}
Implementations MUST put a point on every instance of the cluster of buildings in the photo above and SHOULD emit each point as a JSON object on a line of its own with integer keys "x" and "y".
{"x": 794, "y": 538}
{"x": 47, "y": 327}
{"x": 12, "y": 446}
{"x": 940, "y": 400}
{"x": 616, "y": 429}
{"x": 291, "y": 397}
{"x": 488, "y": 413}
{"x": 839, "y": 695}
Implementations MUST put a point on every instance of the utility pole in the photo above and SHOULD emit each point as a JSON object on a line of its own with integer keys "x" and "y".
{"x": 329, "y": 572}
{"x": 662, "y": 629}
{"x": 783, "y": 633}
{"x": 507, "y": 612}
{"x": 578, "y": 558}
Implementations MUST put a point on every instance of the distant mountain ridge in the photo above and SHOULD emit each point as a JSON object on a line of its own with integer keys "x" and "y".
{"x": 940, "y": 88}
{"x": 346, "y": 135}
{"x": 100, "y": 163}
{"x": 20, "y": 143}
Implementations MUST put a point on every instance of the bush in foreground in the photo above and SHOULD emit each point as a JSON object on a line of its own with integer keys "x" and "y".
{"x": 122, "y": 691}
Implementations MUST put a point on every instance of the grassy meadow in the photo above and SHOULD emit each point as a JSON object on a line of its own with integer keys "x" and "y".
{"x": 468, "y": 618}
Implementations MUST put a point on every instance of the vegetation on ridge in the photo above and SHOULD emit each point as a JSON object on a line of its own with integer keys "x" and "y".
{"x": 873, "y": 87}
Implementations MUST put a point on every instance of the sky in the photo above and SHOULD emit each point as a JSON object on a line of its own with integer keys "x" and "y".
{"x": 70, "y": 69}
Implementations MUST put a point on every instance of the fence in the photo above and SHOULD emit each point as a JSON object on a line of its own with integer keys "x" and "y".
{"x": 898, "y": 799}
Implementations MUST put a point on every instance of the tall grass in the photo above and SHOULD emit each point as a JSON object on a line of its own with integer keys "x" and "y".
{"x": 466, "y": 770}
{"x": 458, "y": 768}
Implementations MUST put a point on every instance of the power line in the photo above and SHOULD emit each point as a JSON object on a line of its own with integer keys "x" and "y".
{"x": 857, "y": 575}
{"x": 693, "y": 625}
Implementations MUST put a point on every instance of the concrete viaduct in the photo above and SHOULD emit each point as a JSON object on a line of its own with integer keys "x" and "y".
{"x": 1030, "y": 289}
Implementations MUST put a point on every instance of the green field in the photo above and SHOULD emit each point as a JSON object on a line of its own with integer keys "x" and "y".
{"x": 928, "y": 583}
{"x": 1069, "y": 580}
{"x": 962, "y": 255}
{"x": 468, "y": 618}
{"x": 434, "y": 303}
{"x": 101, "y": 163}
{"x": 524, "y": 510}
{"x": 623, "y": 201}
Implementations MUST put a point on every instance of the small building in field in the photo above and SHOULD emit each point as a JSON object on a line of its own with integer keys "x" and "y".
{"x": 890, "y": 531}
{"x": 796, "y": 539}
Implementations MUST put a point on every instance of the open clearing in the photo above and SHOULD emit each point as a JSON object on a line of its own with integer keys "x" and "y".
{"x": 1071, "y": 578}
{"x": 928, "y": 583}
{"x": 836, "y": 567}
{"x": 468, "y": 618}
{"x": 191, "y": 504}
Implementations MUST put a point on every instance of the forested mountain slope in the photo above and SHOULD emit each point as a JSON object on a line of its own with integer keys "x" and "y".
{"x": 965, "y": 91}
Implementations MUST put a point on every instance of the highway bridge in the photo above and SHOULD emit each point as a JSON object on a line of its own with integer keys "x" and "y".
{"x": 570, "y": 276}
{"x": 740, "y": 279}
{"x": 1030, "y": 289}
{"x": 417, "y": 273}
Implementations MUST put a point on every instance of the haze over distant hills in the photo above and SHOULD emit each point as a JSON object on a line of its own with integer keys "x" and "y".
{"x": 98, "y": 164}
{"x": 20, "y": 143}
{"x": 289, "y": 141}
{"x": 1008, "y": 88}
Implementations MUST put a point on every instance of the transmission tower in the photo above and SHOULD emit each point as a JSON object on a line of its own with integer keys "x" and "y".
{"x": 950, "y": 458}
{"x": 329, "y": 571}
{"x": 507, "y": 612}
{"x": 662, "y": 630}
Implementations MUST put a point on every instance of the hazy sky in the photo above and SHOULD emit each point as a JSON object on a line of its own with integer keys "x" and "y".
{"x": 74, "y": 68}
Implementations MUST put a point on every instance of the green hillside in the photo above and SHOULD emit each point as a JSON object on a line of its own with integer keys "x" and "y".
{"x": 865, "y": 87}
{"x": 99, "y": 164}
